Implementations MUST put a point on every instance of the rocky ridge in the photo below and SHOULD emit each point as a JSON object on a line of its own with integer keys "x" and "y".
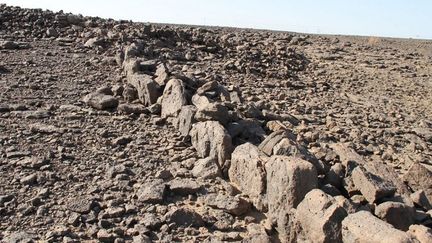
{"x": 171, "y": 133}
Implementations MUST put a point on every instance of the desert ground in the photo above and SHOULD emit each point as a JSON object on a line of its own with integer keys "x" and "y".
{"x": 115, "y": 131}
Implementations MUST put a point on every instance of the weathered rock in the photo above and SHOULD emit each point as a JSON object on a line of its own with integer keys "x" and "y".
{"x": 289, "y": 179}
{"x": 371, "y": 186}
{"x": 213, "y": 112}
{"x": 246, "y": 130}
{"x": 397, "y": 214}
{"x": 321, "y": 217}
{"x": 130, "y": 93}
{"x": 247, "y": 172}
{"x": 421, "y": 233}
{"x": 101, "y": 101}
{"x": 81, "y": 205}
{"x": 132, "y": 108}
{"x": 200, "y": 101}
{"x": 274, "y": 138}
{"x": 210, "y": 139}
{"x": 148, "y": 90}
{"x": 185, "y": 217}
{"x": 276, "y": 126}
{"x": 419, "y": 177}
{"x": 173, "y": 98}
{"x": 152, "y": 192}
{"x": 364, "y": 227}
{"x": 233, "y": 205}
{"x": 419, "y": 198}
{"x": 184, "y": 186}
{"x": 162, "y": 74}
{"x": 206, "y": 168}
{"x": 185, "y": 119}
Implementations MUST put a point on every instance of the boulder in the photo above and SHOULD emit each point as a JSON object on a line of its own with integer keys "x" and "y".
{"x": 213, "y": 112}
{"x": 200, "y": 101}
{"x": 289, "y": 179}
{"x": 274, "y": 138}
{"x": 185, "y": 119}
{"x": 101, "y": 101}
{"x": 162, "y": 74}
{"x": 206, "y": 168}
{"x": 364, "y": 227}
{"x": 210, "y": 139}
{"x": 372, "y": 187}
{"x": 247, "y": 173}
{"x": 320, "y": 217}
{"x": 419, "y": 198}
{"x": 400, "y": 215}
{"x": 148, "y": 90}
{"x": 173, "y": 98}
{"x": 132, "y": 108}
{"x": 419, "y": 177}
{"x": 246, "y": 130}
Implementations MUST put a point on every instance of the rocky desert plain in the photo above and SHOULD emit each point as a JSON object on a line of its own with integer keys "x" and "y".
{"x": 116, "y": 131}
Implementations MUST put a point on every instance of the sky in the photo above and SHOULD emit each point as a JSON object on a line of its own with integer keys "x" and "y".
{"x": 389, "y": 18}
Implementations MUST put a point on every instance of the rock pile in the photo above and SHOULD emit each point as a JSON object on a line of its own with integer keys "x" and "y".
{"x": 202, "y": 134}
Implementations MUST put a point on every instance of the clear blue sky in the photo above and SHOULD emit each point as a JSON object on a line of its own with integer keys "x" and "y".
{"x": 393, "y": 18}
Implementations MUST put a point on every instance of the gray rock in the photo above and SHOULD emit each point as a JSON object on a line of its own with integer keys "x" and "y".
{"x": 101, "y": 101}
{"x": 173, "y": 98}
{"x": 206, "y": 168}
{"x": 419, "y": 177}
{"x": 132, "y": 108}
{"x": 29, "y": 180}
{"x": 147, "y": 88}
{"x": 210, "y": 139}
{"x": 162, "y": 74}
{"x": 185, "y": 119}
{"x": 247, "y": 173}
{"x": 364, "y": 227}
{"x": 185, "y": 217}
{"x": 419, "y": 198}
{"x": 371, "y": 186}
{"x": 184, "y": 186}
{"x": 397, "y": 214}
{"x": 246, "y": 130}
{"x": 200, "y": 101}
{"x": 233, "y": 205}
{"x": 213, "y": 112}
{"x": 130, "y": 93}
{"x": 152, "y": 192}
{"x": 20, "y": 237}
{"x": 321, "y": 217}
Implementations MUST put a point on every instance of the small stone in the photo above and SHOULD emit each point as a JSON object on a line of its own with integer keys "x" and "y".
{"x": 206, "y": 168}
{"x": 30, "y": 179}
{"x": 233, "y": 205}
{"x": 132, "y": 108}
{"x": 184, "y": 187}
{"x": 152, "y": 192}
{"x": 101, "y": 101}
{"x": 81, "y": 205}
{"x": 185, "y": 217}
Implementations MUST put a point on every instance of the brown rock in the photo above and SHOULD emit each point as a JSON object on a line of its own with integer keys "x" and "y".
{"x": 289, "y": 179}
{"x": 419, "y": 177}
{"x": 101, "y": 101}
{"x": 173, "y": 98}
{"x": 422, "y": 233}
{"x": 185, "y": 119}
{"x": 148, "y": 90}
{"x": 248, "y": 174}
{"x": 397, "y": 214}
{"x": 210, "y": 139}
{"x": 364, "y": 227}
{"x": 321, "y": 217}
{"x": 233, "y": 205}
{"x": 371, "y": 186}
